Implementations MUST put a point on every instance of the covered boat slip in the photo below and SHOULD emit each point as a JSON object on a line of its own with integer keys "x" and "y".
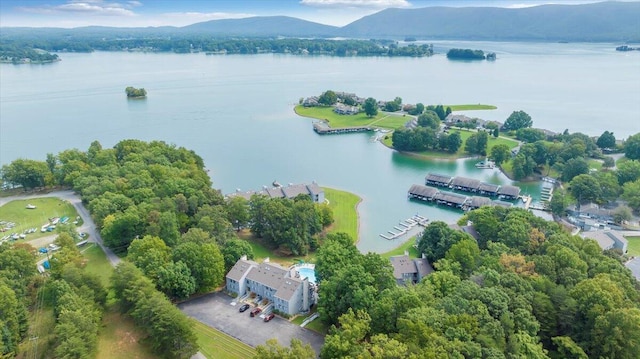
{"x": 451, "y": 199}
{"x": 473, "y": 185}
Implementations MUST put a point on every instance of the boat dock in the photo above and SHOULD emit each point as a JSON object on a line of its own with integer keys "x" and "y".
{"x": 405, "y": 226}
{"x": 323, "y": 129}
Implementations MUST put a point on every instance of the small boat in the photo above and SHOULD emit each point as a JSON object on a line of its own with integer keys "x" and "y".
{"x": 30, "y": 206}
{"x": 276, "y": 184}
{"x": 486, "y": 164}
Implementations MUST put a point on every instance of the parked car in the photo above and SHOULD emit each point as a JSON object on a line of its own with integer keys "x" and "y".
{"x": 255, "y": 312}
{"x": 243, "y": 307}
{"x": 269, "y": 317}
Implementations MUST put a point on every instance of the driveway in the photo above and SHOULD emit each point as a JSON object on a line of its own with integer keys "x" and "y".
{"x": 215, "y": 310}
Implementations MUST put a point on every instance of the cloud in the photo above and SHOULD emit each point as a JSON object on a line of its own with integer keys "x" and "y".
{"x": 87, "y": 7}
{"x": 356, "y": 3}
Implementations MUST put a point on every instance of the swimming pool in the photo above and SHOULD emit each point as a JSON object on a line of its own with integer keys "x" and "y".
{"x": 307, "y": 271}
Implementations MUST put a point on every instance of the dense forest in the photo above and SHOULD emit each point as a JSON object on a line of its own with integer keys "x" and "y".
{"x": 525, "y": 288}
{"x": 24, "y": 46}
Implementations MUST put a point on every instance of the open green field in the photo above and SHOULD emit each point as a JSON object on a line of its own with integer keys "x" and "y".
{"x": 120, "y": 338}
{"x": 470, "y": 107}
{"x": 633, "y": 248}
{"x": 383, "y": 120}
{"x": 344, "y": 209}
{"x": 97, "y": 263}
{"x": 217, "y": 345}
{"x": 24, "y": 219}
{"x": 407, "y": 246}
{"x": 464, "y": 135}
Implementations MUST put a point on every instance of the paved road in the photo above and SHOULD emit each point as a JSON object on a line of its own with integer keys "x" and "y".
{"x": 88, "y": 226}
{"x": 215, "y": 310}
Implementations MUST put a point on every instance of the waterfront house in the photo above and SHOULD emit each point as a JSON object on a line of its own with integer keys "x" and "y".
{"x": 465, "y": 184}
{"x": 591, "y": 210}
{"x": 290, "y": 191}
{"x": 509, "y": 192}
{"x": 283, "y": 287}
{"x": 608, "y": 239}
{"x": 407, "y": 270}
{"x": 423, "y": 193}
{"x": 434, "y": 179}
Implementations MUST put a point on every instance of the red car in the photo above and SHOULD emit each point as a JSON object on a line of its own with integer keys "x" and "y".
{"x": 255, "y": 312}
{"x": 269, "y": 317}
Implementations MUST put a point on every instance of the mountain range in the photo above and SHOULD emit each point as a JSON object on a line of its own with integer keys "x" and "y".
{"x": 596, "y": 22}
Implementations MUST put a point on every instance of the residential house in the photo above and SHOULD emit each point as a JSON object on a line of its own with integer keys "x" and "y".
{"x": 407, "y": 270}
{"x": 608, "y": 239}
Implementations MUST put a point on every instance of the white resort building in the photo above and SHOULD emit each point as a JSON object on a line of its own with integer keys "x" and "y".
{"x": 284, "y": 287}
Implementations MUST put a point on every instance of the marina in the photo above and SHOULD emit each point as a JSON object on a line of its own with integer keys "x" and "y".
{"x": 322, "y": 129}
{"x": 405, "y": 227}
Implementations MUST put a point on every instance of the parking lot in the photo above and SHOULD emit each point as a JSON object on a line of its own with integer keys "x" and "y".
{"x": 215, "y": 310}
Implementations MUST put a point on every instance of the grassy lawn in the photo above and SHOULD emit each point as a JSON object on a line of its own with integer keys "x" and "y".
{"x": 120, "y": 338}
{"x": 345, "y": 214}
{"x": 97, "y": 263}
{"x": 24, "y": 219}
{"x": 595, "y": 164}
{"x": 262, "y": 251}
{"x": 634, "y": 245}
{"x": 470, "y": 107}
{"x": 407, "y": 246}
{"x": 336, "y": 120}
{"x": 464, "y": 135}
{"x": 216, "y": 344}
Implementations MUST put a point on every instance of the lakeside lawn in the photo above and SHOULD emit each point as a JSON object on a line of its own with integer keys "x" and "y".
{"x": 344, "y": 205}
{"x": 464, "y": 135}
{"x": 470, "y": 107}
{"x": 382, "y": 119}
{"x": 407, "y": 246}
{"x": 633, "y": 247}
{"x": 24, "y": 219}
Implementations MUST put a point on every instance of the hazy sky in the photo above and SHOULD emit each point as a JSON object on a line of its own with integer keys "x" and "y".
{"x": 135, "y": 13}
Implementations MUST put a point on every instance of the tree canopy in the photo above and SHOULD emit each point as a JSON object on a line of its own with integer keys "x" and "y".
{"x": 517, "y": 120}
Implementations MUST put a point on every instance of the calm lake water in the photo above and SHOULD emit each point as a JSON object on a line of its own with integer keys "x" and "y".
{"x": 237, "y": 112}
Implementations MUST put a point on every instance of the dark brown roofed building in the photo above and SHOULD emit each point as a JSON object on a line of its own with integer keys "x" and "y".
{"x": 509, "y": 192}
{"x": 422, "y": 192}
{"x": 477, "y": 202}
{"x": 465, "y": 184}
{"x": 435, "y": 179}
{"x": 451, "y": 199}
{"x": 488, "y": 189}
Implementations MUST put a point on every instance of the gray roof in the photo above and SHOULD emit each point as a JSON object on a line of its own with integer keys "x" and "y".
{"x": 274, "y": 192}
{"x": 451, "y": 197}
{"x": 478, "y": 202}
{"x": 488, "y": 187}
{"x": 287, "y": 287}
{"x": 503, "y": 204}
{"x": 421, "y": 190}
{"x": 466, "y": 229}
{"x": 269, "y": 274}
{"x": 402, "y": 265}
{"x": 465, "y": 182}
{"x": 508, "y": 190}
{"x": 634, "y": 266}
{"x": 607, "y": 239}
{"x": 438, "y": 178}
{"x": 292, "y": 191}
{"x": 246, "y": 195}
{"x": 240, "y": 268}
{"x": 314, "y": 188}
{"x": 423, "y": 267}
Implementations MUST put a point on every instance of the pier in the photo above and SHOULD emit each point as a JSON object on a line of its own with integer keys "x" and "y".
{"x": 405, "y": 226}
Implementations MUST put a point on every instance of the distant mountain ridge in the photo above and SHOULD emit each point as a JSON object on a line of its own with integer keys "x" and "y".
{"x": 597, "y": 22}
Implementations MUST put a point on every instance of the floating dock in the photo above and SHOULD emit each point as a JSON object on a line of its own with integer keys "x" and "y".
{"x": 405, "y": 226}
{"x": 322, "y": 129}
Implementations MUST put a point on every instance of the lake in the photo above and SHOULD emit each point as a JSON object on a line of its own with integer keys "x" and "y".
{"x": 236, "y": 112}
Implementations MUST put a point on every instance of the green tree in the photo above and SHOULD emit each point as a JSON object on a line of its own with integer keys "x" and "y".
{"x": 585, "y": 188}
{"x": 370, "y": 107}
{"x": 27, "y": 173}
{"x": 429, "y": 119}
{"x": 466, "y": 253}
{"x": 617, "y": 334}
{"x": 606, "y": 140}
{"x": 609, "y": 186}
{"x": 454, "y": 141}
{"x": 437, "y": 239}
{"x": 233, "y": 250}
{"x": 500, "y": 153}
{"x": 337, "y": 252}
{"x": 574, "y": 167}
{"x": 238, "y": 211}
{"x": 628, "y": 171}
{"x": 496, "y": 132}
{"x": 175, "y": 280}
{"x": 558, "y": 203}
{"x": 631, "y": 194}
{"x": 204, "y": 261}
{"x": 622, "y": 214}
{"x": 328, "y": 98}
{"x": 517, "y": 120}
{"x": 273, "y": 350}
{"x": 632, "y": 147}
{"x": 608, "y": 162}
{"x": 530, "y": 135}
{"x": 150, "y": 254}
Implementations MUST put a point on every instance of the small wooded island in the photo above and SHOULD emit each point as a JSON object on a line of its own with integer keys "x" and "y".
{"x": 133, "y": 92}
{"x": 468, "y": 54}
